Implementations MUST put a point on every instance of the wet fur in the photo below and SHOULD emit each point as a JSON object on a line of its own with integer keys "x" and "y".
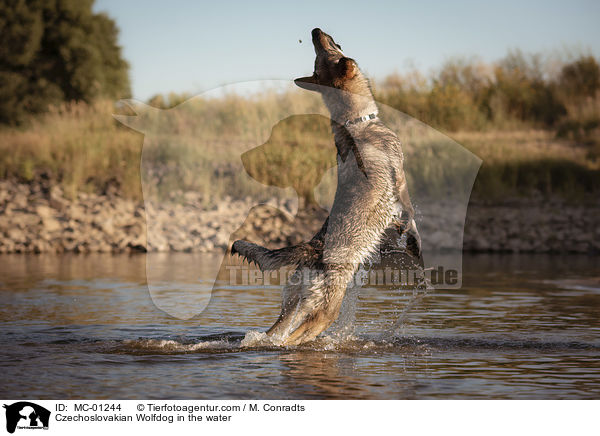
{"x": 371, "y": 197}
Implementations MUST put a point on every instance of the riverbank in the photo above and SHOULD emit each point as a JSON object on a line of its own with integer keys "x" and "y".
{"x": 35, "y": 218}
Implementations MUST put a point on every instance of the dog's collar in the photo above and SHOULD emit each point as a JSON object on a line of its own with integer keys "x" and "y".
{"x": 361, "y": 119}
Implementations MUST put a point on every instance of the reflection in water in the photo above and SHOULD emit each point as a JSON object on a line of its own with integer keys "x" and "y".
{"x": 521, "y": 327}
{"x": 321, "y": 374}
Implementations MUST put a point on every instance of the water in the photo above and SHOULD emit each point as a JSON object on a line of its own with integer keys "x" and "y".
{"x": 85, "y": 327}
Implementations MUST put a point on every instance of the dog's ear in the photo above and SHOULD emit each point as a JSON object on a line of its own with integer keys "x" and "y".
{"x": 308, "y": 82}
{"x": 346, "y": 68}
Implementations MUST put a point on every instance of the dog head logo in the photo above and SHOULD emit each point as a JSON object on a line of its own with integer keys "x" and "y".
{"x": 300, "y": 154}
{"x": 26, "y": 415}
{"x": 209, "y": 161}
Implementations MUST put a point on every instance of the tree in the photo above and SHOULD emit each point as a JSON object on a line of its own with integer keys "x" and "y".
{"x": 581, "y": 78}
{"x": 53, "y": 51}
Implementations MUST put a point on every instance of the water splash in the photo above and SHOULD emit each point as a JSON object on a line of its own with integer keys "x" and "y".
{"x": 343, "y": 335}
{"x": 172, "y": 346}
{"x": 418, "y": 294}
{"x": 256, "y": 338}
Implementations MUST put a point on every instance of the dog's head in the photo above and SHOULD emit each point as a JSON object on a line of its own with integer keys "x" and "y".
{"x": 333, "y": 69}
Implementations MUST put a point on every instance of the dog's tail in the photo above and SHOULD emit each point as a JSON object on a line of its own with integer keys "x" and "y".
{"x": 268, "y": 260}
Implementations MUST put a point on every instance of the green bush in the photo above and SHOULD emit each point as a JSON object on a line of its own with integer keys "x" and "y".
{"x": 56, "y": 51}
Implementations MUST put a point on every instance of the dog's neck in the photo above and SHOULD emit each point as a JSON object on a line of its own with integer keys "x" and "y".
{"x": 345, "y": 140}
{"x": 345, "y": 106}
{"x": 361, "y": 119}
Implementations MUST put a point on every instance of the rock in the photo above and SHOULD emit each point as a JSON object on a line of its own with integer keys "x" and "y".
{"x": 105, "y": 224}
{"x": 19, "y": 201}
{"x": 37, "y": 218}
{"x": 122, "y": 242}
{"x": 181, "y": 245}
{"x": 104, "y": 247}
{"x": 76, "y": 212}
{"x": 139, "y": 212}
{"x": 220, "y": 240}
{"x": 16, "y": 235}
{"x": 51, "y": 225}
{"x": 137, "y": 245}
{"x": 58, "y": 203}
{"x": 133, "y": 229}
{"x": 44, "y": 211}
{"x": 25, "y": 220}
{"x": 6, "y": 245}
{"x": 207, "y": 246}
{"x": 68, "y": 244}
{"x": 40, "y": 246}
{"x": 214, "y": 224}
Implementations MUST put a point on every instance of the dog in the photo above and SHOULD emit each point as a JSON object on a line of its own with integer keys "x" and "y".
{"x": 371, "y": 199}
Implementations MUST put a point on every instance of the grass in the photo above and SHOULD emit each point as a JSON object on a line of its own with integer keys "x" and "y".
{"x": 78, "y": 146}
{"x": 522, "y": 162}
{"x": 197, "y": 146}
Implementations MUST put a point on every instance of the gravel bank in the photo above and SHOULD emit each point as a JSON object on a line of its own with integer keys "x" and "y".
{"x": 35, "y": 218}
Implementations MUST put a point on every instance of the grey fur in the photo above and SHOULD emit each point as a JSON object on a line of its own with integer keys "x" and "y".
{"x": 371, "y": 197}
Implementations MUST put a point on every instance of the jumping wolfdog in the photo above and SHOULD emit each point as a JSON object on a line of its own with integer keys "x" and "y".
{"x": 371, "y": 197}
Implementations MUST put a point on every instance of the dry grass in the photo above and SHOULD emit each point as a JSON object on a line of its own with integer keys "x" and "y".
{"x": 517, "y": 163}
{"x": 197, "y": 146}
{"x": 79, "y": 146}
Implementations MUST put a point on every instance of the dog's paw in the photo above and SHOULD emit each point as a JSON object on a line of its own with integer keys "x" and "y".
{"x": 413, "y": 246}
{"x": 238, "y": 247}
{"x": 246, "y": 250}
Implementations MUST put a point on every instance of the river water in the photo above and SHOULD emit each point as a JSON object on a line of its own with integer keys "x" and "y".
{"x": 84, "y": 326}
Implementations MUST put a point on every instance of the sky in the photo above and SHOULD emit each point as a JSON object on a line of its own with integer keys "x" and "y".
{"x": 194, "y": 46}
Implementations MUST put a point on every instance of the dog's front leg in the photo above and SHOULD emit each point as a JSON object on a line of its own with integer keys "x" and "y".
{"x": 269, "y": 260}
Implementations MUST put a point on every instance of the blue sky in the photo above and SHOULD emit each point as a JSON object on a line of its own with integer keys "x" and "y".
{"x": 187, "y": 46}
